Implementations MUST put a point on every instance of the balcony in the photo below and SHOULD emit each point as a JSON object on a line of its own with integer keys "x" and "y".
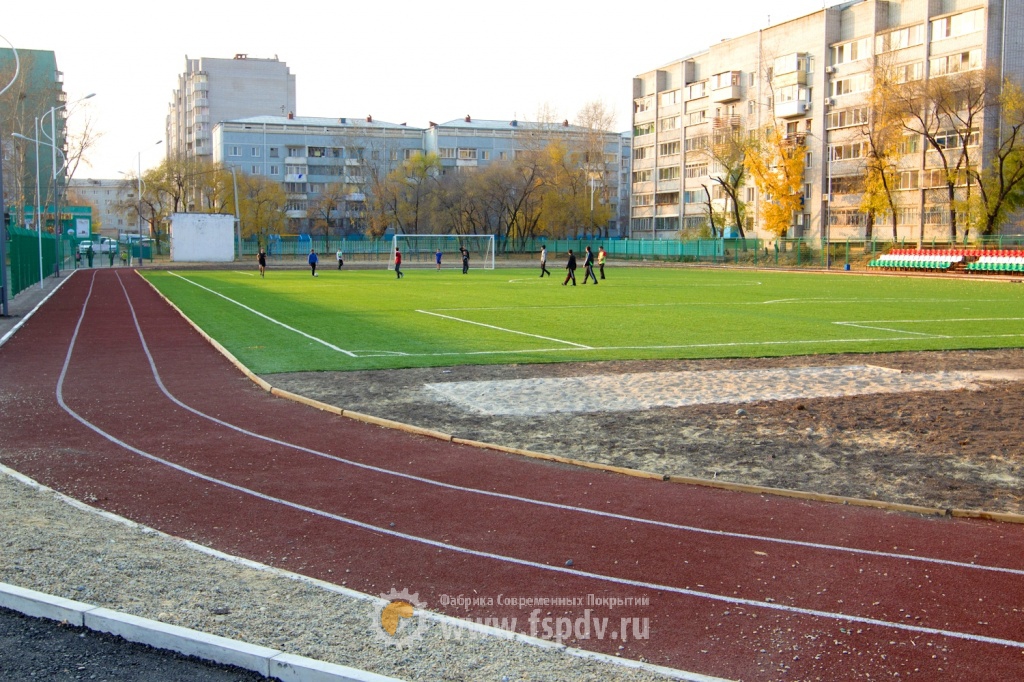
{"x": 791, "y": 109}
{"x": 729, "y": 93}
{"x": 295, "y": 177}
{"x": 296, "y": 213}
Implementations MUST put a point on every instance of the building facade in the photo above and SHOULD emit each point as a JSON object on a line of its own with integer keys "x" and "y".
{"x": 317, "y": 157}
{"x": 106, "y": 197}
{"x": 30, "y": 107}
{"x": 211, "y": 90}
{"x": 811, "y": 79}
{"x": 338, "y": 158}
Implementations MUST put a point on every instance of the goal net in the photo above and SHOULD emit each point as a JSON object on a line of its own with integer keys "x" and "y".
{"x": 420, "y": 250}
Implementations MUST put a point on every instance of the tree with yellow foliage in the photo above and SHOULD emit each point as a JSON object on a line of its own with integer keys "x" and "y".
{"x": 776, "y": 164}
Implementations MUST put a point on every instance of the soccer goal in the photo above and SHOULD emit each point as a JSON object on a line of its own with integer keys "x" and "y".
{"x": 420, "y": 250}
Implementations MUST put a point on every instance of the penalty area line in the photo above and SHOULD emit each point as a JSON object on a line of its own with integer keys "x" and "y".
{"x": 267, "y": 317}
{"x": 503, "y": 329}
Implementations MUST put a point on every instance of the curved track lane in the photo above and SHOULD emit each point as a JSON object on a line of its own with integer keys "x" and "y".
{"x": 109, "y": 396}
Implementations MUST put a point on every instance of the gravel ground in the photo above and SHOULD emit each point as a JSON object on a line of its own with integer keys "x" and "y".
{"x": 51, "y": 546}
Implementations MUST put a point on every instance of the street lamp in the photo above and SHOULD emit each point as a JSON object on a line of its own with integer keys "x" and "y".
{"x": 56, "y": 172}
{"x": 130, "y": 254}
{"x": 37, "y": 211}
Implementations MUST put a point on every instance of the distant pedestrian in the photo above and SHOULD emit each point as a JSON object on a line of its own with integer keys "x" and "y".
{"x": 465, "y": 259}
{"x": 588, "y": 266}
{"x": 398, "y": 264}
{"x": 78, "y": 258}
{"x": 570, "y": 267}
{"x": 313, "y": 260}
{"x": 261, "y": 258}
{"x": 437, "y": 258}
{"x": 544, "y": 262}
{"x": 601, "y": 255}
{"x": 341, "y": 259}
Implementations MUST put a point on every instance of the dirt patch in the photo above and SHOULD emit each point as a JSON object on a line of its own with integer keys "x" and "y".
{"x": 960, "y": 449}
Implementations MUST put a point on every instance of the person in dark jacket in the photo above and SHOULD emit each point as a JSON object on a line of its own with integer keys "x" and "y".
{"x": 570, "y": 267}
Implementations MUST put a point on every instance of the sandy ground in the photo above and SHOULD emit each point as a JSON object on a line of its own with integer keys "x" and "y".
{"x": 915, "y": 428}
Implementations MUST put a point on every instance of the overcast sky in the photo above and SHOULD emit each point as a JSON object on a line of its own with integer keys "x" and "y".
{"x": 398, "y": 61}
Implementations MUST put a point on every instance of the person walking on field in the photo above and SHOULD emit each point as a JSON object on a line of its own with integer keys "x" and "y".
{"x": 261, "y": 258}
{"x": 601, "y": 255}
{"x": 588, "y": 266}
{"x": 570, "y": 267}
{"x": 398, "y": 264}
{"x": 341, "y": 259}
{"x": 544, "y": 262}
{"x": 437, "y": 258}
{"x": 313, "y": 260}
{"x": 465, "y": 259}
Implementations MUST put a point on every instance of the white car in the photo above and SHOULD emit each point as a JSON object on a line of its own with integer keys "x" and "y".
{"x": 104, "y": 245}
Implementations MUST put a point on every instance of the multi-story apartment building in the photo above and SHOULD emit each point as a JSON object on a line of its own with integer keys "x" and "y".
{"x": 312, "y": 157}
{"x": 470, "y": 143}
{"x": 811, "y": 78}
{"x": 339, "y": 157}
{"x": 211, "y": 90}
{"x": 106, "y": 196}
{"x": 26, "y": 109}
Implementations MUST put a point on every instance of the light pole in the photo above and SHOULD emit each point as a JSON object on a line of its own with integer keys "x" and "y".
{"x": 140, "y": 206}
{"x": 53, "y": 165}
{"x": 37, "y": 211}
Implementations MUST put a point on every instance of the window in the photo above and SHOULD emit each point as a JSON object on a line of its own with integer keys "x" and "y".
{"x": 951, "y": 139}
{"x": 274, "y": 152}
{"x": 955, "y": 63}
{"x": 446, "y": 152}
{"x": 958, "y": 25}
{"x": 642, "y": 176}
{"x": 851, "y": 150}
{"x": 910, "y": 144}
{"x": 485, "y": 155}
{"x": 856, "y": 83}
{"x": 234, "y": 151}
{"x": 796, "y": 62}
{"x": 844, "y": 118}
{"x": 254, "y": 152}
{"x": 906, "y": 73}
{"x": 844, "y": 53}
{"x": 641, "y": 105}
{"x": 668, "y": 123}
{"x": 643, "y": 129}
{"x": 317, "y": 152}
{"x": 696, "y": 170}
{"x": 641, "y": 153}
{"x": 643, "y": 199}
{"x": 697, "y": 117}
{"x": 410, "y": 153}
{"x": 668, "y": 148}
{"x": 693, "y": 197}
{"x": 696, "y": 143}
{"x": 792, "y": 93}
{"x": 899, "y": 39}
{"x": 663, "y": 198}
{"x": 275, "y": 170}
{"x": 907, "y": 180}
{"x": 467, "y": 154}
{"x": 696, "y": 90}
{"x": 669, "y": 173}
{"x": 669, "y": 98}
{"x": 725, "y": 79}
{"x": 254, "y": 170}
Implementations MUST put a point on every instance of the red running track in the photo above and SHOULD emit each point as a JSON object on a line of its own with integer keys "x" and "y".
{"x": 109, "y": 396}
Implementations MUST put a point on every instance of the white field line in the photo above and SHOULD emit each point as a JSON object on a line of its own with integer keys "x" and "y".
{"x": 267, "y": 317}
{"x": 440, "y": 545}
{"x": 503, "y": 329}
{"x": 871, "y": 324}
{"x": 731, "y": 344}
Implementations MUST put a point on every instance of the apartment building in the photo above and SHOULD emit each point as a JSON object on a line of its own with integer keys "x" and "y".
{"x": 107, "y": 196}
{"x": 811, "y": 78}
{"x": 312, "y": 156}
{"x": 475, "y": 143}
{"x": 211, "y": 90}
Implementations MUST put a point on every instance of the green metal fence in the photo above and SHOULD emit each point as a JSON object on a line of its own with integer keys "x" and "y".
{"x": 23, "y": 254}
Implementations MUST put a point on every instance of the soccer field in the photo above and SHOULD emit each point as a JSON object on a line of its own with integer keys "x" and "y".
{"x": 368, "y": 319}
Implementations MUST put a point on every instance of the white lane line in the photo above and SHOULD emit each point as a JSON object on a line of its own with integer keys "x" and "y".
{"x": 558, "y": 506}
{"x": 859, "y": 325}
{"x": 772, "y": 606}
{"x": 267, "y": 317}
{"x": 503, "y": 329}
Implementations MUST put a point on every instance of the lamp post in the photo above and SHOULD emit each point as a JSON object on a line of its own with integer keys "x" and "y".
{"x": 139, "y": 178}
{"x": 56, "y": 172}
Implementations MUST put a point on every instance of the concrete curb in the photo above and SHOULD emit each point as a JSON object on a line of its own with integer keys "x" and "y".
{"x": 263, "y": 660}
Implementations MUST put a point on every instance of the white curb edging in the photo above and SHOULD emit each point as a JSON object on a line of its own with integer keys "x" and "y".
{"x": 263, "y": 660}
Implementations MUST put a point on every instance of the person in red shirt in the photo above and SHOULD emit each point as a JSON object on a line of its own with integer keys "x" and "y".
{"x": 398, "y": 264}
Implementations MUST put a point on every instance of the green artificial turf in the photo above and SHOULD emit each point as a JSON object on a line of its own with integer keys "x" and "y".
{"x": 368, "y": 319}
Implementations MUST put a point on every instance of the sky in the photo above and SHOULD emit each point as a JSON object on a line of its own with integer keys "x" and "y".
{"x": 411, "y": 63}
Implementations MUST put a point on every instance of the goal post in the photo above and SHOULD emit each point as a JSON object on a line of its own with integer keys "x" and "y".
{"x": 420, "y": 250}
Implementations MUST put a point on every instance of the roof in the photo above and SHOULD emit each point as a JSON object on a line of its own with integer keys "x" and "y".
{"x": 321, "y": 121}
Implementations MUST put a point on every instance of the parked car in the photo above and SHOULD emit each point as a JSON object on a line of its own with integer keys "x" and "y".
{"x": 104, "y": 245}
